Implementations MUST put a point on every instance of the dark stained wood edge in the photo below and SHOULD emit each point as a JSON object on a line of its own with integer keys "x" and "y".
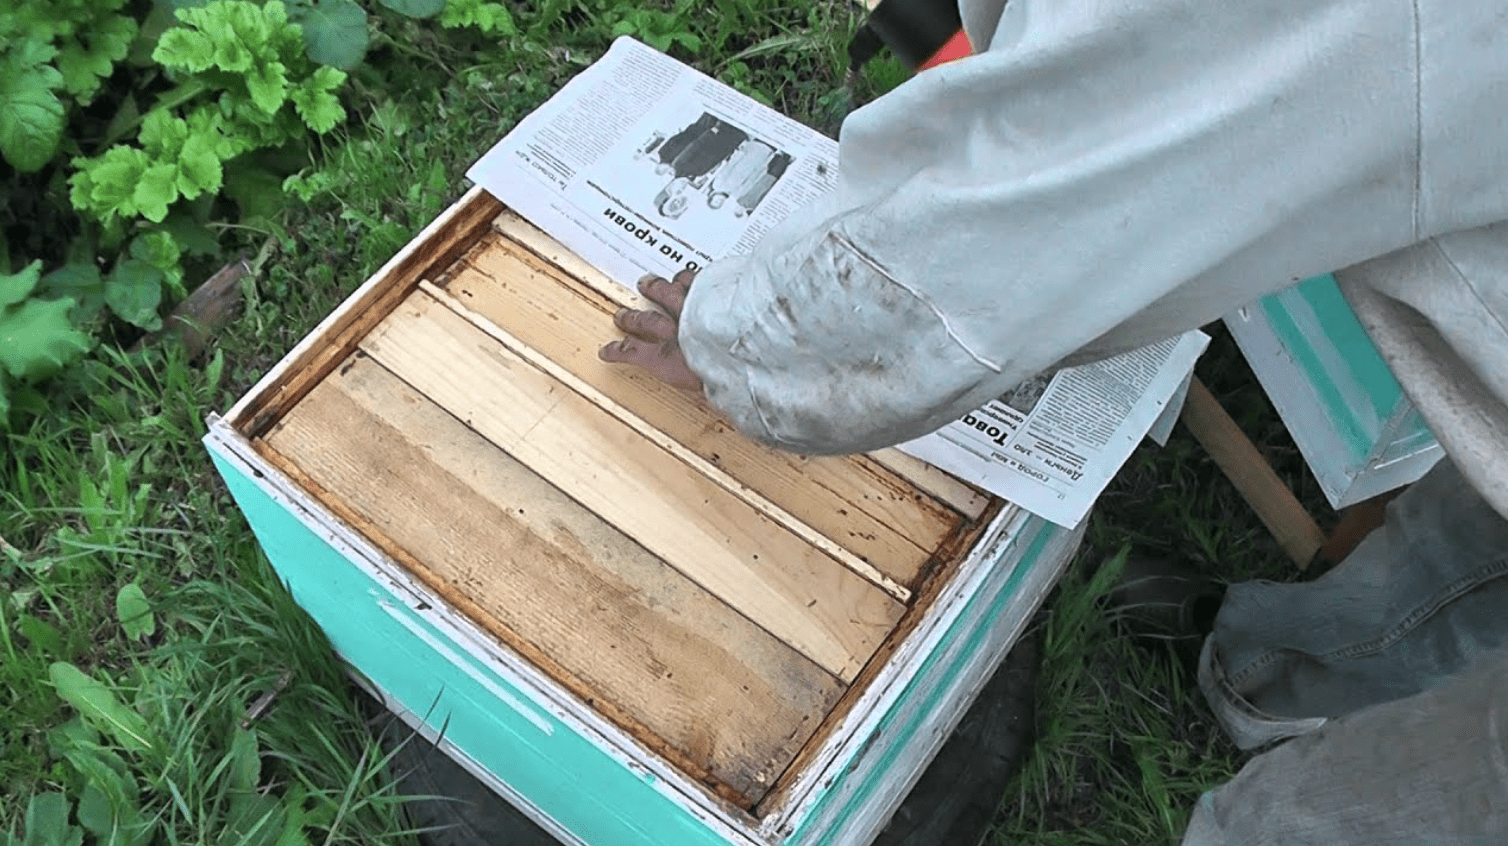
{"x": 431, "y": 252}
{"x": 937, "y": 575}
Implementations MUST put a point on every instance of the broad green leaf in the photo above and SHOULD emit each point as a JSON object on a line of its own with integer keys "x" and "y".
{"x": 31, "y": 116}
{"x": 207, "y": 122}
{"x": 158, "y": 21}
{"x": 285, "y": 38}
{"x": 244, "y": 758}
{"x": 320, "y": 109}
{"x": 215, "y": 368}
{"x": 156, "y": 190}
{"x": 194, "y": 237}
{"x": 268, "y": 86}
{"x": 335, "y": 33}
{"x": 326, "y": 78}
{"x": 245, "y": 22}
{"x": 47, "y": 822}
{"x": 99, "y": 705}
{"x": 110, "y": 805}
{"x": 415, "y": 8}
{"x": 187, "y": 49}
{"x": 79, "y": 282}
{"x": 32, "y": 52}
{"x": 70, "y": 735}
{"x": 486, "y": 16}
{"x": 113, "y": 36}
{"x": 37, "y": 338}
{"x": 255, "y": 819}
{"x": 162, "y": 134}
{"x": 134, "y": 612}
{"x": 293, "y": 832}
{"x": 105, "y": 771}
{"x": 15, "y": 287}
{"x": 160, "y": 251}
{"x": 43, "y": 635}
{"x": 157, "y": 249}
{"x": 232, "y": 55}
{"x": 96, "y": 814}
{"x": 4, "y": 402}
{"x": 106, "y": 186}
{"x": 298, "y": 818}
{"x": 257, "y": 191}
{"x": 127, "y": 116}
{"x": 199, "y": 169}
{"x": 134, "y": 292}
{"x": 83, "y": 68}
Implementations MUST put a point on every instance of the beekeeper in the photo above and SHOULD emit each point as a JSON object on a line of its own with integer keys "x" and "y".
{"x": 1104, "y": 175}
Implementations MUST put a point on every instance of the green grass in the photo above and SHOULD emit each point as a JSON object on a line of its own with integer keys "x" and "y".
{"x": 111, "y": 490}
{"x": 108, "y": 487}
{"x": 1125, "y": 740}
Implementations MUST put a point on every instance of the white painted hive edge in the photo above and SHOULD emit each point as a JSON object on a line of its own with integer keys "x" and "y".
{"x": 852, "y": 735}
{"x": 1294, "y": 398}
{"x": 543, "y": 691}
{"x": 348, "y": 304}
{"x": 938, "y": 726}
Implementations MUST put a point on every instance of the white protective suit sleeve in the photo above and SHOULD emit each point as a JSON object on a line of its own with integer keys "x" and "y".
{"x": 1104, "y": 175}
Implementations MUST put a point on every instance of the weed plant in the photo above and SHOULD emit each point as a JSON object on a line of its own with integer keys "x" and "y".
{"x": 1125, "y": 740}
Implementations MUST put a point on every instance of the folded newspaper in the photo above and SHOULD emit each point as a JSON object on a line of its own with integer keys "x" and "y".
{"x": 643, "y": 165}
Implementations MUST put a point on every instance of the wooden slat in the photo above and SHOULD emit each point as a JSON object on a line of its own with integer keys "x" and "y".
{"x": 726, "y": 696}
{"x": 873, "y": 513}
{"x": 1277, "y": 507}
{"x": 523, "y": 232}
{"x": 706, "y": 468}
{"x": 434, "y": 249}
{"x": 943, "y": 487}
{"x": 793, "y": 590}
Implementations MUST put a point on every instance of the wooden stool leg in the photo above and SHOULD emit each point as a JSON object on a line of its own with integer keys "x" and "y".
{"x": 1279, "y": 510}
{"x": 1356, "y": 522}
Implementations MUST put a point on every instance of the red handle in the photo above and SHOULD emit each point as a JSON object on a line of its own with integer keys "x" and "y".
{"x": 957, "y": 47}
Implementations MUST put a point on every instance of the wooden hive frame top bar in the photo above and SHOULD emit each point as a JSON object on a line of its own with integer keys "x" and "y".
{"x": 718, "y": 599}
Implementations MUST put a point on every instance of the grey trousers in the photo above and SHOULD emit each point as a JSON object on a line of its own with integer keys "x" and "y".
{"x": 1390, "y": 676}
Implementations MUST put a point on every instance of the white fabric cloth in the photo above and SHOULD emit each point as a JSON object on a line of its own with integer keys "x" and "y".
{"x": 1104, "y": 175}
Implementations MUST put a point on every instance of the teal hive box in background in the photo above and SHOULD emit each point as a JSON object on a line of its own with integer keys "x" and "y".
{"x": 1358, "y": 432}
{"x": 633, "y": 623}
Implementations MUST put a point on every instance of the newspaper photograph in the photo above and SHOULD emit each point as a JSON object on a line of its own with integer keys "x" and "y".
{"x": 643, "y": 165}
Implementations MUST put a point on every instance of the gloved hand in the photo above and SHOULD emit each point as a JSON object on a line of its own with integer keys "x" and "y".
{"x": 652, "y": 343}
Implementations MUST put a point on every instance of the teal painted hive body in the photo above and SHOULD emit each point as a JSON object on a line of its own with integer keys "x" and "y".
{"x": 431, "y": 649}
{"x": 1358, "y": 432}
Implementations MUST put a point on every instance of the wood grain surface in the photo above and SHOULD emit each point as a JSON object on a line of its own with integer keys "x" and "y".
{"x": 947, "y": 489}
{"x": 721, "y": 696}
{"x": 874, "y": 513}
{"x": 790, "y": 588}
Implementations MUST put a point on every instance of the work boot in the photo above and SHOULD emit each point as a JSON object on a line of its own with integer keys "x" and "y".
{"x": 1159, "y": 600}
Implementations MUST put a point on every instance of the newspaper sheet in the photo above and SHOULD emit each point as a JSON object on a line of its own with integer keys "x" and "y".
{"x": 643, "y": 165}
{"x": 1054, "y": 442}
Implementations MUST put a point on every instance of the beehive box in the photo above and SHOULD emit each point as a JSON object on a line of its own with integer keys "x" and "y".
{"x": 626, "y": 618}
{"x": 1346, "y": 411}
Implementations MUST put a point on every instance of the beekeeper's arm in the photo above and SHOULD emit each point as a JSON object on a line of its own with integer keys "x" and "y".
{"x": 1104, "y": 175}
